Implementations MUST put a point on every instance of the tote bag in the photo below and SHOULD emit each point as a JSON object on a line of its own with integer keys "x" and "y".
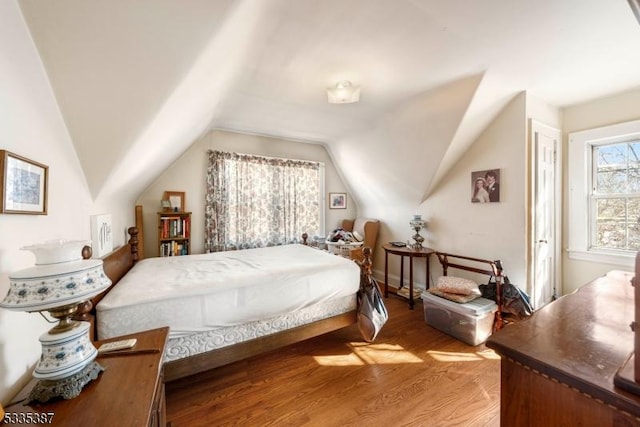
{"x": 372, "y": 313}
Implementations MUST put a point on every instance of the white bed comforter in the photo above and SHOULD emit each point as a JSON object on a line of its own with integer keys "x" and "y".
{"x": 202, "y": 292}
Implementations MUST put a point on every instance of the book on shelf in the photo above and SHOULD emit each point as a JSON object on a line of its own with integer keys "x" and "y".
{"x": 171, "y": 227}
{"x": 174, "y": 227}
{"x": 174, "y": 248}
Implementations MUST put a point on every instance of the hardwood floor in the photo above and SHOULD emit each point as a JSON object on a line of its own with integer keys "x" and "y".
{"x": 413, "y": 375}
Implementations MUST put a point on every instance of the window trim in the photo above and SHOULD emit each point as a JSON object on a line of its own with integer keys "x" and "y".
{"x": 580, "y": 146}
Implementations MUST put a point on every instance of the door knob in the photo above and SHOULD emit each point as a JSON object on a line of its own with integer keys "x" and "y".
{"x": 542, "y": 241}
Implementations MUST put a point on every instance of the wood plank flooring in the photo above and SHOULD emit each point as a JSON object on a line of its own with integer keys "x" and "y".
{"x": 413, "y": 375}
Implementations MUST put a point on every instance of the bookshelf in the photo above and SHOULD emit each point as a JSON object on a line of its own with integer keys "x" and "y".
{"x": 174, "y": 233}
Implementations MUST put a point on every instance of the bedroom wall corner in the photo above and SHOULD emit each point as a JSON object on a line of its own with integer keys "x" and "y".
{"x": 31, "y": 125}
{"x": 188, "y": 174}
{"x": 486, "y": 230}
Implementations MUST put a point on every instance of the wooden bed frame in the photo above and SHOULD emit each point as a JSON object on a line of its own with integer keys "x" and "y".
{"x": 120, "y": 261}
{"x": 494, "y": 270}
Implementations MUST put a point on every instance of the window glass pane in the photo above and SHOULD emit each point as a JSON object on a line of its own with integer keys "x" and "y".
{"x": 611, "y": 156}
{"x": 633, "y": 223}
{"x": 610, "y": 223}
{"x": 634, "y": 237}
{"x": 611, "y": 209}
{"x": 611, "y": 182}
{"x": 610, "y": 235}
{"x": 612, "y": 168}
{"x": 634, "y": 154}
{"x": 634, "y": 180}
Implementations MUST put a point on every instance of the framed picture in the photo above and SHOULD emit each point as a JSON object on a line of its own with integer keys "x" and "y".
{"x": 176, "y": 200}
{"x": 166, "y": 204}
{"x": 337, "y": 200}
{"x": 485, "y": 186}
{"x": 23, "y": 188}
{"x": 101, "y": 235}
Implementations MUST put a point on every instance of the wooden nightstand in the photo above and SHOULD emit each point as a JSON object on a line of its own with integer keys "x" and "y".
{"x": 412, "y": 253}
{"x": 130, "y": 392}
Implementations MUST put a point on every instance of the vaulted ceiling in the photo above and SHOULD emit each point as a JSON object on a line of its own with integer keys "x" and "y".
{"x": 137, "y": 81}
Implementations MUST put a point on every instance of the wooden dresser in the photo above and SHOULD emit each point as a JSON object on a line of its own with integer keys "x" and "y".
{"x": 558, "y": 367}
{"x": 130, "y": 392}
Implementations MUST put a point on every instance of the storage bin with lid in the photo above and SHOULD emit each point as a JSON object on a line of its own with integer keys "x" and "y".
{"x": 470, "y": 322}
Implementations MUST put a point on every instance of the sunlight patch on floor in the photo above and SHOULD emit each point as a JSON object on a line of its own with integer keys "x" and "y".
{"x": 350, "y": 359}
{"x": 370, "y": 354}
{"x": 448, "y": 356}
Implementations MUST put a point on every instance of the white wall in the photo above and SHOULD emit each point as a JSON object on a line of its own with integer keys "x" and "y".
{"x": 485, "y": 230}
{"x": 31, "y": 126}
{"x": 601, "y": 112}
{"x": 188, "y": 174}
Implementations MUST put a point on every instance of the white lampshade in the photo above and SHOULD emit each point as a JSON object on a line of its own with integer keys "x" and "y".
{"x": 60, "y": 277}
{"x": 343, "y": 93}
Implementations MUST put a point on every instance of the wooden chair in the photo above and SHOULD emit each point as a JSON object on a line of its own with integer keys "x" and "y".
{"x": 367, "y": 228}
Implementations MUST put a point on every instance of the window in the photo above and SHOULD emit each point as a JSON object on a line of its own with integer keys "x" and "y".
{"x": 254, "y": 201}
{"x": 615, "y": 197}
{"x": 604, "y": 194}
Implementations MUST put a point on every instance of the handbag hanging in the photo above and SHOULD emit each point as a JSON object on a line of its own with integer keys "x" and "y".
{"x": 372, "y": 313}
{"x": 514, "y": 300}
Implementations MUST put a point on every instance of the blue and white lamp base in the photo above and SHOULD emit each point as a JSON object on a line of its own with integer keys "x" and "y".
{"x": 66, "y": 365}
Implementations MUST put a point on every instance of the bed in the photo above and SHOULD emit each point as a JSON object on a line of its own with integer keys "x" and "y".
{"x": 253, "y": 316}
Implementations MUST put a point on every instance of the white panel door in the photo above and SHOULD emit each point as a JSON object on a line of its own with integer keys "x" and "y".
{"x": 546, "y": 217}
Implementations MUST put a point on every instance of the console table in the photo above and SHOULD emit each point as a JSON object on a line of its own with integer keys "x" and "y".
{"x": 558, "y": 367}
{"x": 405, "y": 251}
{"x": 130, "y": 391}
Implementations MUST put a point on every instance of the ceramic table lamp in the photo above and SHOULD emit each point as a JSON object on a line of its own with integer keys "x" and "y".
{"x": 58, "y": 283}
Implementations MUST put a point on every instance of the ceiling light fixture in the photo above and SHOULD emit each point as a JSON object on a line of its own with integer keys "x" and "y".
{"x": 343, "y": 93}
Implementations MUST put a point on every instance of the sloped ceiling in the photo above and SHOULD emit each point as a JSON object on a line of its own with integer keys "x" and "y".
{"x": 138, "y": 81}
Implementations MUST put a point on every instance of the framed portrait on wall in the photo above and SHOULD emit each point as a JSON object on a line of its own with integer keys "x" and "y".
{"x": 485, "y": 186}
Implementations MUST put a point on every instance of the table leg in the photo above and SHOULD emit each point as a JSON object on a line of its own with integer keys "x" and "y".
{"x": 411, "y": 304}
{"x": 426, "y": 283}
{"x": 401, "y": 272}
{"x": 386, "y": 274}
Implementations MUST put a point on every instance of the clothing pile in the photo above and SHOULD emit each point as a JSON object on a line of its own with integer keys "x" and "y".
{"x": 342, "y": 236}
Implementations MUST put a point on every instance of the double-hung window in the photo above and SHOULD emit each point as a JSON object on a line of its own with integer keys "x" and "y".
{"x": 604, "y": 194}
{"x": 615, "y": 196}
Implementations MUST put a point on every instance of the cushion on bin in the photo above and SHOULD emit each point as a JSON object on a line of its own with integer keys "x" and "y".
{"x": 457, "y": 285}
{"x": 453, "y": 297}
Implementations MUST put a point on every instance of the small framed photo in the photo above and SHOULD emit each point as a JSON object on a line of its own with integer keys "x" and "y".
{"x": 337, "y": 200}
{"x": 166, "y": 204}
{"x": 176, "y": 200}
{"x": 23, "y": 185}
